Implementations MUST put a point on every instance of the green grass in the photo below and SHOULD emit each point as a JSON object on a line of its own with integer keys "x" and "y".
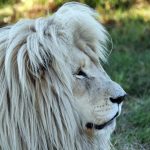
{"x": 129, "y": 65}
{"x": 131, "y": 69}
{"x": 133, "y": 130}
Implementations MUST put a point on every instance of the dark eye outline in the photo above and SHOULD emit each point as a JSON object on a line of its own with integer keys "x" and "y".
{"x": 81, "y": 73}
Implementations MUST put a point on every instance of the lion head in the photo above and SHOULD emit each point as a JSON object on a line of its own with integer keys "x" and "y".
{"x": 54, "y": 92}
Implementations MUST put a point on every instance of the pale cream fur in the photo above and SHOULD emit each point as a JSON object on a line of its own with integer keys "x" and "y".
{"x": 44, "y": 103}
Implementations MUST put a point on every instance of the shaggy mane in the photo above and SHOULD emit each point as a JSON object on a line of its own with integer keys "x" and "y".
{"x": 37, "y": 109}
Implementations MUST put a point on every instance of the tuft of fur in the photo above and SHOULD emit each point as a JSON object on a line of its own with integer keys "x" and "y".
{"x": 37, "y": 109}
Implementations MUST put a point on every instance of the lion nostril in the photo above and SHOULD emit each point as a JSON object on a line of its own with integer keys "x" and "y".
{"x": 118, "y": 100}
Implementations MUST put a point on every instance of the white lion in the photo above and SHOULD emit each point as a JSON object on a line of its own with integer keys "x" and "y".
{"x": 54, "y": 93}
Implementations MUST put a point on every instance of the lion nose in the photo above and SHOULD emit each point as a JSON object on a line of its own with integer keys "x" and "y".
{"x": 118, "y": 100}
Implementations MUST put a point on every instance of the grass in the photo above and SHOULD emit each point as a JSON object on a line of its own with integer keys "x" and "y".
{"x": 133, "y": 126}
{"x": 129, "y": 65}
{"x": 131, "y": 69}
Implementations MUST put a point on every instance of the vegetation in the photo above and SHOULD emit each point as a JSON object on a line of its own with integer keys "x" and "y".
{"x": 128, "y": 22}
{"x": 129, "y": 64}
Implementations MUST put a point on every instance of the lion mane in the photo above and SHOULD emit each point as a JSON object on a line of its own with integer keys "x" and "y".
{"x": 37, "y": 110}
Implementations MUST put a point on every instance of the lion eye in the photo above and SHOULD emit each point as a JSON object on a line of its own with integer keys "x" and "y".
{"x": 81, "y": 74}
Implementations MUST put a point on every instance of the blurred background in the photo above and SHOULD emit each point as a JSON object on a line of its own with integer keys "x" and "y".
{"x": 128, "y": 22}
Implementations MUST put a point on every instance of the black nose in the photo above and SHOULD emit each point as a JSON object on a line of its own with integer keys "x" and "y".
{"x": 118, "y": 100}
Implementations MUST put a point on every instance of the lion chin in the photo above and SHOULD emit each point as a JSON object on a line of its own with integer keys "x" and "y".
{"x": 54, "y": 92}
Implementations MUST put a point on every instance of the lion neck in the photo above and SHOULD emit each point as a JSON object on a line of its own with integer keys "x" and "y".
{"x": 92, "y": 140}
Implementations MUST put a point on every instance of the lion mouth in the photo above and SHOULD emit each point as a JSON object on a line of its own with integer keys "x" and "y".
{"x": 90, "y": 125}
